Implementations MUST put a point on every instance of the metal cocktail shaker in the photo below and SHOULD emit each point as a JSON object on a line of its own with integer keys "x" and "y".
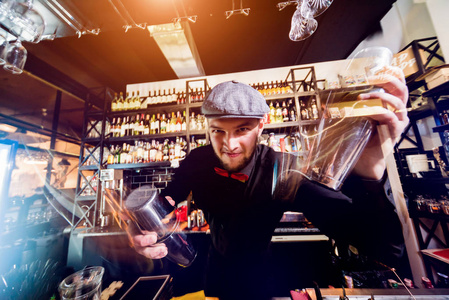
{"x": 151, "y": 212}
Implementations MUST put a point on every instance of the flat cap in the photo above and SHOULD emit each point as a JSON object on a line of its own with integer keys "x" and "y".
{"x": 232, "y": 99}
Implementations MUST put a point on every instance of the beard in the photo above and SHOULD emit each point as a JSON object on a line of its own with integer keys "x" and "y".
{"x": 241, "y": 165}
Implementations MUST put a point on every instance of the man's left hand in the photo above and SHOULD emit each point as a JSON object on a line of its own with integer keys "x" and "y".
{"x": 371, "y": 164}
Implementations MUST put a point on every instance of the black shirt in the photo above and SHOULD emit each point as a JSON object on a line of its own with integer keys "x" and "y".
{"x": 243, "y": 216}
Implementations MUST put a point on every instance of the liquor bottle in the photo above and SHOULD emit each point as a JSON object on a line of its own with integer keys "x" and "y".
{"x": 314, "y": 109}
{"x": 292, "y": 109}
{"x": 136, "y": 127}
{"x": 117, "y": 155}
{"x": 140, "y": 151}
{"x": 184, "y": 124}
{"x": 178, "y": 125}
{"x": 165, "y": 151}
{"x": 272, "y": 118}
{"x": 179, "y": 98}
{"x": 146, "y": 152}
{"x": 153, "y": 151}
{"x": 146, "y": 125}
{"x": 120, "y": 102}
{"x": 123, "y": 155}
{"x": 123, "y": 128}
{"x": 114, "y": 103}
{"x": 117, "y": 128}
{"x": 153, "y": 119}
{"x": 159, "y": 153}
{"x": 131, "y": 124}
{"x": 279, "y": 118}
{"x": 110, "y": 128}
{"x": 278, "y": 87}
{"x": 174, "y": 96}
{"x": 192, "y": 122}
{"x": 193, "y": 144}
{"x": 173, "y": 122}
{"x": 171, "y": 151}
{"x": 304, "y": 111}
{"x": 163, "y": 124}
{"x": 142, "y": 125}
{"x": 126, "y": 102}
{"x": 137, "y": 101}
{"x": 157, "y": 124}
{"x": 285, "y": 116}
{"x": 111, "y": 155}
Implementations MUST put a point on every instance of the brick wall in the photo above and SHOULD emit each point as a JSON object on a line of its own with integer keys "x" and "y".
{"x": 157, "y": 178}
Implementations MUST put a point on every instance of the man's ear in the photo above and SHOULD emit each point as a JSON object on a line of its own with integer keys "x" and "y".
{"x": 260, "y": 127}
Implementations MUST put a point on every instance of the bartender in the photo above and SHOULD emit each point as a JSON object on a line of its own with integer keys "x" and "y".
{"x": 231, "y": 180}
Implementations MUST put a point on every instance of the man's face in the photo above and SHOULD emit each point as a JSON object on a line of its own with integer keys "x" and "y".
{"x": 234, "y": 140}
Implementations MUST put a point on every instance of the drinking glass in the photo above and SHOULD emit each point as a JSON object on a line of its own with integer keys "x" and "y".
{"x": 3, "y": 46}
{"x": 301, "y": 27}
{"x": 345, "y": 127}
{"x": 15, "y": 57}
{"x": 5, "y": 5}
{"x": 27, "y": 24}
{"x": 82, "y": 285}
{"x": 314, "y": 8}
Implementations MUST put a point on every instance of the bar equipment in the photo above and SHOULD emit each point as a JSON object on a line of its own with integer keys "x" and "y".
{"x": 82, "y": 285}
{"x": 151, "y": 212}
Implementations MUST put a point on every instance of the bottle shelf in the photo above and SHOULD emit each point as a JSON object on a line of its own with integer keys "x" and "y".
{"x": 279, "y": 96}
{"x": 196, "y": 104}
{"x": 420, "y": 112}
{"x": 281, "y": 125}
{"x": 145, "y": 137}
{"x": 159, "y": 164}
{"x": 150, "y": 109}
{"x": 309, "y": 122}
{"x": 438, "y": 90}
{"x": 441, "y": 128}
{"x": 89, "y": 168}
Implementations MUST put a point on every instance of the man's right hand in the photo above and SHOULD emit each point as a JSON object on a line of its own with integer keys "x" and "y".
{"x": 145, "y": 244}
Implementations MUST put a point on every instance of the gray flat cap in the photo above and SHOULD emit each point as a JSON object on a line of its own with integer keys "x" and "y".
{"x": 232, "y": 99}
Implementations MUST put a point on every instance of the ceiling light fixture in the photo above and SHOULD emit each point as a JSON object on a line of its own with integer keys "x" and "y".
{"x": 240, "y": 11}
{"x": 176, "y": 43}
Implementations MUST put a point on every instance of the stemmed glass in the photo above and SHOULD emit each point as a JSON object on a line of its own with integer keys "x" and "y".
{"x": 5, "y": 5}
{"x": 3, "y": 46}
{"x": 314, "y": 8}
{"x": 15, "y": 57}
{"x": 26, "y": 23}
{"x": 302, "y": 27}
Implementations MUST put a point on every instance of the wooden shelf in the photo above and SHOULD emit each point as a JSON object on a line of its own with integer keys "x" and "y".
{"x": 145, "y": 137}
{"x": 441, "y": 128}
{"x": 420, "y": 112}
{"x": 279, "y": 96}
{"x": 281, "y": 125}
{"x": 438, "y": 90}
{"x": 161, "y": 164}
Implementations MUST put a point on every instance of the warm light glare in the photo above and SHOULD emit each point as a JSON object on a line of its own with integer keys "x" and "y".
{"x": 177, "y": 49}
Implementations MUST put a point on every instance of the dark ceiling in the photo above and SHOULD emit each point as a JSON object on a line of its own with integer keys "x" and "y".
{"x": 115, "y": 58}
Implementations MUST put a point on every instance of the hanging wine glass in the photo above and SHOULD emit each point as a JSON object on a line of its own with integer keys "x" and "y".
{"x": 3, "y": 46}
{"x": 15, "y": 57}
{"x": 301, "y": 27}
{"x": 5, "y": 6}
{"x": 28, "y": 24}
{"x": 314, "y": 8}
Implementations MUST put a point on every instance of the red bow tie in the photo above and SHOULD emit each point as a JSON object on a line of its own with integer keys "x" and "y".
{"x": 239, "y": 176}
